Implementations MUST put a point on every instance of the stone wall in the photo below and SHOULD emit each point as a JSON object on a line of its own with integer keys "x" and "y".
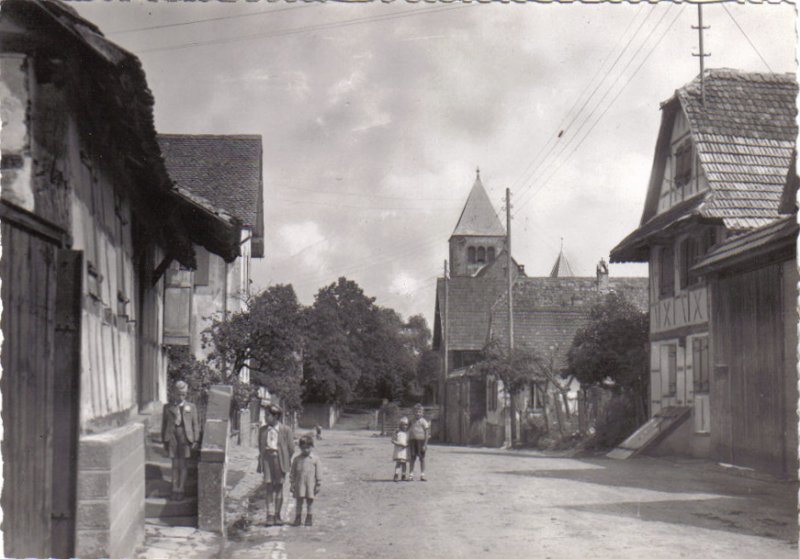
{"x": 111, "y": 493}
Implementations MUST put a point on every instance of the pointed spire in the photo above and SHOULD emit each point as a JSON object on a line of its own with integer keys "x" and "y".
{"x": 561, "y": 269}
{"x": 478, "y": 216}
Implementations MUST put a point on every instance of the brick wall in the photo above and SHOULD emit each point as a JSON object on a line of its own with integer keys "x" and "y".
{"x": 111, "y": 493}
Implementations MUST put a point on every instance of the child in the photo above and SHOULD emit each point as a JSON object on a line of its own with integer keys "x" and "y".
{"x": 305, "y": 479}
{"x": 275, "y": 449}
{"x": 318, "y": 429}
{"x": 180, "y": 431}
{"x": 419, "y": 433}
{"x": 400, "y": 456}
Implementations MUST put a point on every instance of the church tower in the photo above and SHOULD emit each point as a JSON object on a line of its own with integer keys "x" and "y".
{"x": 479, "y": 236}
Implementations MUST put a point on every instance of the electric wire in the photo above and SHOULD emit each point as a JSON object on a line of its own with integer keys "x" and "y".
{"x": 733, "y": 19}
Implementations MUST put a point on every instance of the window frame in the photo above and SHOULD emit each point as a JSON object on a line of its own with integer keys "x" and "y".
{"x": 666, "y": 271}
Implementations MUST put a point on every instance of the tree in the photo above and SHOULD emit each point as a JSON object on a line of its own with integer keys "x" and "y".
{"x": 267, "y": 338}
{"x": 612, "y": 350}
{"x": 516, "y": 370}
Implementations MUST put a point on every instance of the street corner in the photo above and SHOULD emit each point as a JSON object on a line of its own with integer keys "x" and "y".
{"x": 179, "y": 542}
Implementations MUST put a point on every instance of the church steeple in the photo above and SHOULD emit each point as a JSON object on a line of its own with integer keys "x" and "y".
{"x": 478, "y": 216}
{"x": 479, "y": 236}
{"x": 561, "y": 268}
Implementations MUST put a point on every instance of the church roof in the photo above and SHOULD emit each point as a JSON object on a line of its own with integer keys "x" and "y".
{"x": 561, "y": 268}
{"x": 478, "y": 217}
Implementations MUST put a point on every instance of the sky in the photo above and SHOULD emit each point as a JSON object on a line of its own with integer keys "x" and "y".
{"x": 374, "y": 118}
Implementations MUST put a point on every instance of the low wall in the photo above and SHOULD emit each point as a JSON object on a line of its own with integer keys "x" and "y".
{"x": 212, "y": 469}
{"x": 111, "y": 493}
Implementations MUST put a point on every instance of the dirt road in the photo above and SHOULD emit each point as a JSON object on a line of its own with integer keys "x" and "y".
{"x": 495, "y": 503}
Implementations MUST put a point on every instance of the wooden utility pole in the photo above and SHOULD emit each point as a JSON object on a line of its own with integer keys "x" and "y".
{"x": 445, "y": 335}
{"x": 701, "y": 55}
{"x": 510, "y": 274}
{"x": 510, "y": 424}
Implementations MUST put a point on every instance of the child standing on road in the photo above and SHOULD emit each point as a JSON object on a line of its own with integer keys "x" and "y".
{"x": 418, "y": 435}
{"x": 305, "y": 479}
{"x": 400, "y": 456}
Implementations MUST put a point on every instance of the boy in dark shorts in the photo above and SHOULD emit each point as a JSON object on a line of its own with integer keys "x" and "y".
{"x": 418, "y": 435}
{"x": 275, "y": 449}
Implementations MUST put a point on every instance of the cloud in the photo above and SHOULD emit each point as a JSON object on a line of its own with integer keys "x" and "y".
{"x": 404, "y": 284}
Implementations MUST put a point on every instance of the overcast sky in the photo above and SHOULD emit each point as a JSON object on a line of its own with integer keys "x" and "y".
{"x": 375, "y": 117}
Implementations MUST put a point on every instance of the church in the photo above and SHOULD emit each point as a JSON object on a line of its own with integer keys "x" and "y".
{"x": 472, "y": 310}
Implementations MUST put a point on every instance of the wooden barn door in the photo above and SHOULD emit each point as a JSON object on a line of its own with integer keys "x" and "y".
{"x": 38, "y": 402}
{"x": 748, "y": 345}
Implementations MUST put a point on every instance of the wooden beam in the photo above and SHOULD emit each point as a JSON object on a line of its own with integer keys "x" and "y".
{"x": 161, "y": 268}
{"x": 34, "y": 224}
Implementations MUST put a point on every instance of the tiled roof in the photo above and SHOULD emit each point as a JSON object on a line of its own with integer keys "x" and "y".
{"x": 469, "y": 302}
{"x": 549, "y": 311}
{"x": 226, "y": 170}
{"x": 744, "y": 134}
{"x": 775, "y": 241}
{"x": 478, "y": 217}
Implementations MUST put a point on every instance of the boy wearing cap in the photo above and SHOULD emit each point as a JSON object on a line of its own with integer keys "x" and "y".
{"x": 275, "y": 449}
{"x": 179, "y": 433}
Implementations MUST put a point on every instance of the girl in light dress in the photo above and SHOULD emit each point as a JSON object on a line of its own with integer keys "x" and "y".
{"x": 400, "y": 455}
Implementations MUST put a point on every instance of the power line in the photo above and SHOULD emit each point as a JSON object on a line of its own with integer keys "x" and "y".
{"x": 561, "y": 129}
{"x": 605, "y": 95}
{"x": 362, "y": 195}
{"x": 308, "y": 28}
{"x": 619, "y": 92}
{"x": 367, "y": 208}
{"x": 733, "y": 19}
{"x": 195, "y": 21}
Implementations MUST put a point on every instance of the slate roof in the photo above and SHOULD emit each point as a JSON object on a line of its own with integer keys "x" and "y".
{"x": 224, "y": 169}
{"x": 549, "y": 311}
{"x": 478, "y": 217}
{"x": 561, "y": 267}
{"x": 744, "y": 135}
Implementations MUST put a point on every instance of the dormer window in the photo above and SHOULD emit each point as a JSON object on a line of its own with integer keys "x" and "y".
{"x": 684, "y": 155}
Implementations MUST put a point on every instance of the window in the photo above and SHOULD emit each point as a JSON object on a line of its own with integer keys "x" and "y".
{"x": 672, "y": 370}
{"x": 490, "y": 254}
{"x": 688, "y": 259}
{"x": 481, "y": 255}
{"x": 666, "y": 275}
{"x": 491, "y": 394}
{"x": 471, "y": 255}
{"x": 201, "y": 273}
{"x": 683, "y": 164}
{"x": 709, "y": 239}
{"x": 700, "y": 363}
{"x": 537, "y": 397}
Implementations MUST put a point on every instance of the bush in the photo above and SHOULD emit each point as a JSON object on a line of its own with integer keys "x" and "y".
{"x": 615, "y": 425}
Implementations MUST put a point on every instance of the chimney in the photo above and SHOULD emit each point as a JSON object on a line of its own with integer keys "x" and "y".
{"x": 602, "y": 276}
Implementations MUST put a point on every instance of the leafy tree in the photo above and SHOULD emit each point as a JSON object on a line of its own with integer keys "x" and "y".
{"x": 612, "y": 350}
{"x": 267, "y": 338}
{"x": 334, "y": 325}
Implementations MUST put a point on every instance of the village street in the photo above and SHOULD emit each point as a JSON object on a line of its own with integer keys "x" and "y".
{"x": 494, "y": 503}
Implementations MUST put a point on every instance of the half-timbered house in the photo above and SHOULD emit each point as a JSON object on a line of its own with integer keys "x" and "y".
{"x": 90, "y": 222}
{"x": 721, "y": 161}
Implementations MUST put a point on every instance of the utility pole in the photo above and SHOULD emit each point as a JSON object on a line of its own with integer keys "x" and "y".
{"x": 510, "y": 430}
{"x": 701, "y": 55}
{"x": 510, "y": 275}
{"x": 445, "y": 335}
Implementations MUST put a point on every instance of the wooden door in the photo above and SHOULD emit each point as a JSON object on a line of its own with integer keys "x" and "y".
{"x": 41, "y": 312}
{"x": 28, "y": 272}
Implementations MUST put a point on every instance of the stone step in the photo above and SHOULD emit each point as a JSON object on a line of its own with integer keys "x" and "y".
{"x": 190, "y": 521}
{"x": 163, "y": 470}
{"x": 160, "y": 507}
{"x": 163, "y": 487}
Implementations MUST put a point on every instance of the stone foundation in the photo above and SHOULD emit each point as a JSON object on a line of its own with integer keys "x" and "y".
{"x": 111, "y": 493}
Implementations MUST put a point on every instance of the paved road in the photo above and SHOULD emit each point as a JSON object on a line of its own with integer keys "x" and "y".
{"x": 493, "y": 503}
